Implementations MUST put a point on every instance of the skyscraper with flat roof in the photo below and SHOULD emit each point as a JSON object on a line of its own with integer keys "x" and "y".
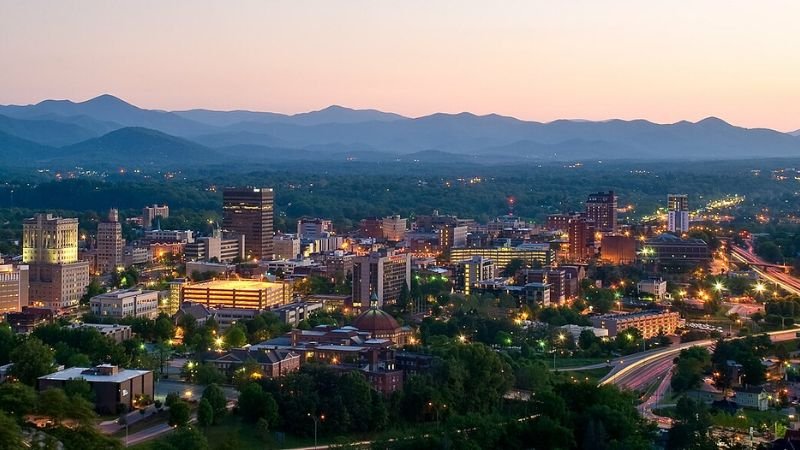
{"x": 249, "y": 211}
{"x": 678, "y": 213}
{"x": 601, "y": 207}
{"x": 109, "y": 243}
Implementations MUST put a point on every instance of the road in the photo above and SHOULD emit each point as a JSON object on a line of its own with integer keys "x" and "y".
{"x": 766, "y": 270}
{"x": 640, "y": 371}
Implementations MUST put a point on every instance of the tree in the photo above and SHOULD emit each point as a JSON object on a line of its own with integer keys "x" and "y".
{"x": 79, "y": 387}
{"x": 690, "y": 366}
{"x": 17, "y": 398}
{"x": 513, "y": 267}
{"x": 7, "y": 342}
{"x": 179, "y": 413}
{"x": 207, "y": 374}
{"x": 216, "y": 398}
{"x": 32, "y": 359}
{"x": 10, "y": 433}
{"x": 184, "y": 438}
{"x": 235, "y": 337}
{"x": 255, "y": 404}
{"x": 164, "y": 328}
{"x": 92, "y": 289}
{"x": 205, "y": 415}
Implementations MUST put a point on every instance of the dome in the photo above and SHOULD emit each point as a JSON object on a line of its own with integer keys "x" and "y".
{"x": 376, "y": 321}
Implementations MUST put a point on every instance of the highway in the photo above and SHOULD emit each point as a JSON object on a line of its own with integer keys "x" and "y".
{"x": 768, "y": 271}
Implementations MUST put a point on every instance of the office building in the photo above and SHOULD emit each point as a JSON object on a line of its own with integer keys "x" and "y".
{"x": 308, "y": 228}
{"x": 50, "y": 249}
{"x": 13, "y": 288}
{"x": 125, "y": 303}
{"x": 383, "y": 273}
{"x": 249, "y": 211}
{"x": 530, "y": 253}
{"x": 253, "y": 294}
{"x": 668, "y": 249}
{"x": 649, "y": 323}
{"x": 110, "y": 243}
{"x": 452, "y": 236}
{"x": 601, "y": 208}
{"x": 111, "y": 386}
{"x": 151, "y": 213}
{"x": 470, "y": 272}
{"x": 678, "y": 213}
{"x": 221, "y": 247}
{"x": 394, "y": 228}
{"x": 553, "y": 277}
{"x": 286, "y": 246}
{"x": 186, "y": 236}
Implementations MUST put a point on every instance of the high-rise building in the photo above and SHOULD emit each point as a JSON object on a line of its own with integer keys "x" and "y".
{"x": 50, "y": 249}
{"x": 394, "y": 228}
{"x": 678, "y": 213}
{"x": 601, "y": 207}
{"x": 383, "y": 273}
{"x": 469, "y": 273}
{"x": 580, "y": 233}
{"x": 149, "y": 214}
{"x": 13, "y": 288}
{"x": 451, "y": 236}
{"x": 249, "y": 211}
{"x": 314, "y": 228}
{"x": 110, "y": 243}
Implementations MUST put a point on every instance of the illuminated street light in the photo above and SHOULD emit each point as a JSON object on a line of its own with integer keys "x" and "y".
{"x": 718, "y": 286}
{"x": 462, "y": 338}
{"x": 760, "y": 288}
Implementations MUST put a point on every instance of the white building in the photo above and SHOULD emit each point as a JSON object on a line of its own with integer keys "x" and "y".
{"x": 470, "y": 272}
{"x": 126, "y": 303}
{"x": 314, "y": 228}
{"x": 655, "y": 287}
{"x": 678, "y": 213}
{"x": 286, "y": 246}
{"x": 186, "y": 236}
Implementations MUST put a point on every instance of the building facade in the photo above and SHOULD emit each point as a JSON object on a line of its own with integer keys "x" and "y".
{"x": 110, "y": 385}
{"x": 249, "y": 211}
{"x": 150, "y": 213}
{"x": 678, "y": 213}
{"x": 601, "y": 208}
{"x": 110, "y": 243}
{"x": 249, "y": 294}
{"x": 470, "y": 272}
{"x": 308, "y": 228}
{"x": 125, "y": 303}
{"x": 13, "y": 288}
{"x": 394, "y": 228}
{"x": 530, "y": 253}
{"x": 50, "y": 249}
{"x": 649, "y": 323}
{"x": 384, "y": 273}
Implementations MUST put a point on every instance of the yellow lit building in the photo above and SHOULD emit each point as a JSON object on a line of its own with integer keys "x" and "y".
{"x": 252, "y": 294}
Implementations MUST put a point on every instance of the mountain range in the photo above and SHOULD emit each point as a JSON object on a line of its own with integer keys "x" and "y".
{"x": 107, "y": 131}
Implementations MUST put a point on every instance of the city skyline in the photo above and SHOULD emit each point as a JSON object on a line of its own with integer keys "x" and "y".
{"x": 530, "y": 60}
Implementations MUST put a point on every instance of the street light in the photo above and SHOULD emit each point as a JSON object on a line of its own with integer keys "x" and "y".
{"x": 316, "y": 422}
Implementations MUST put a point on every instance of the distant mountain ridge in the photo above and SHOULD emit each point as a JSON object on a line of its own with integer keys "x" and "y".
{"x": 111, "y": 131}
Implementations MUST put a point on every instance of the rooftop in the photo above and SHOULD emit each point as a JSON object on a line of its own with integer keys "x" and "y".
{"x": 235, "y": 284}
{"x": 91, "y": 375}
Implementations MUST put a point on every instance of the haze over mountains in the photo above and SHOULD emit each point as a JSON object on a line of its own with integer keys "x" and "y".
{"x": 107, "y": 131}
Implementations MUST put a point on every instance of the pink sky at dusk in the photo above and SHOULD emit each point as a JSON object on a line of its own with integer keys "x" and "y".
{"x": 535, "y": 60}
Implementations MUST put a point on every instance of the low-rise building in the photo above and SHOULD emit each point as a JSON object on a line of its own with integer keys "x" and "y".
{"x": 112, "y": 387}
{"x": 125, "y": 303}
{"x": 754, "y": 397}
{"x": 655, "y": 287}
{"x": 118, "y": 333}
{"x": 649, "y": 323}
{"x": 295, "y": 312}
{"x": 25, "y": 321}
{"x": 274, "y": 363}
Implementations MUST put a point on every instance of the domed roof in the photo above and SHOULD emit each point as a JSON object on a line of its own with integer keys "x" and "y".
{"x": 376, "y": 321}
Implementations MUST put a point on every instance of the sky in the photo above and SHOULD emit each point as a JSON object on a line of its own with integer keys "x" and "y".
{"x": 536, "y": 60}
